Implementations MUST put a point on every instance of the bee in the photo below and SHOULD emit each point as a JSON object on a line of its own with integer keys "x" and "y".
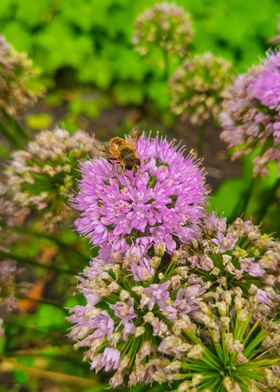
{"x": 123, "y": 152}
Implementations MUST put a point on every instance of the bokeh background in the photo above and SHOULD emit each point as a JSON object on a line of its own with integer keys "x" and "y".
{"x": 94, "y": 80}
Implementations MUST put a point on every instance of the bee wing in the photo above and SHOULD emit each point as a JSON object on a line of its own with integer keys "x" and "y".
{"x": 104, "y": 149}
{"x": 133, "y": 136}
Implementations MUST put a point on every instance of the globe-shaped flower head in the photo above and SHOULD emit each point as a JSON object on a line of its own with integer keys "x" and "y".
{"x": 203, "y": 314}
{"x": 251, "y": 114}
{"x": 160, "y": 203}
{"x": 196, "y": 88}
{"x": 166, "y": 26}
{"x": 40, "y": 178}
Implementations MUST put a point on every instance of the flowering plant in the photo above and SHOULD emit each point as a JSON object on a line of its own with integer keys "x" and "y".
{"x": 250, "y": 118}
{"x": 172, "y": 304}
{"x": 162, "y": 202}
{"x": 201, "y": 312}
{"x": 166, "y": 26}
{"x": 41, "y": 177}
{"x": 196, "y": 88}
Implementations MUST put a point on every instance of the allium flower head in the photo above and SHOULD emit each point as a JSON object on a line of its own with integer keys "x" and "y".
{"x": 196, "y": 88}
{"x": 166, "y": 26}
{"x": 41, "y": 177}
{"x": 161, "y": 202}
{"x": 198, "y": 311}
{"x": 251, "y": 114}
{"x": 16, "y": 76}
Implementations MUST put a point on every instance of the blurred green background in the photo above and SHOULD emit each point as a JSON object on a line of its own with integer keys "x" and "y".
{"x": 96, "y": 81}
{"x": 88, "y": 42}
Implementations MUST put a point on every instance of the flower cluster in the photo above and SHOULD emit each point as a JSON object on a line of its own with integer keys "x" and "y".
{"x": 235, "y": 351}
{"x": 41, "y": 177}
{"x": 8, "y": 289}
{"x": 166, "y": 26}
{"x": 237, "y": 255}
{"x": 171, "y": 317}
{"x": 175, "y": 295}
{"x": 251, "y": 114}
{"x": 162, "y": 202}
{"x": 196, "y": 88}
{"x": 16, "y": 75}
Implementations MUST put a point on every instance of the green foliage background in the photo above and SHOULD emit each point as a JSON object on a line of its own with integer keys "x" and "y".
{"x": 93, "y": 37}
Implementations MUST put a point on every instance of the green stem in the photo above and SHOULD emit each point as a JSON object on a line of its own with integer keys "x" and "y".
{"x": 166, "y": 65}
{"x": 24, "y": 260}
{"x": 14, "y": 133}
{"x": 243, "y": 203}
{"x": 46, "y": 334}
{"x": 49, "y": 237}
{"x": 267, "y": 202}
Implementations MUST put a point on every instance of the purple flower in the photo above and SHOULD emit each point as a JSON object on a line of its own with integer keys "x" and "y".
{"x": 125, "y": 312}
{"x": 185, "y": 300}
{"x": 142, "y": 271}
{"x": 266, "y": 87}
{"x": 263, "y": 297}
{"x": 253, "y": 269}
{"x": 224, "y": 242}
{"x": 251, "y": 114}
{"x": 110, "y": 359}
{"x": 103, "y": 325}
{"x": 157, "y": 294}
{"x": 215, "y": 223}
{"x": 161, "y": 202}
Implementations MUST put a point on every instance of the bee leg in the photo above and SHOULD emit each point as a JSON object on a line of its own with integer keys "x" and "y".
{"x": 112, "y": 160}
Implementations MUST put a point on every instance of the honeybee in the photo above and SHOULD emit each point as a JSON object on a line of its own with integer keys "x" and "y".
{"x": 123, "y": 152}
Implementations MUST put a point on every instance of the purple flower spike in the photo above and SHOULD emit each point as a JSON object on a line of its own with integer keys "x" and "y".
{"x": 162, "y": 202}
